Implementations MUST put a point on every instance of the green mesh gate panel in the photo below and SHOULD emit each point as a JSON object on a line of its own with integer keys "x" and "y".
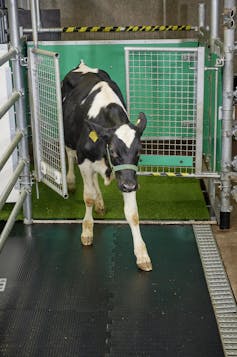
{"x": 167, "y": 84}
{"x": 46, "y": 115}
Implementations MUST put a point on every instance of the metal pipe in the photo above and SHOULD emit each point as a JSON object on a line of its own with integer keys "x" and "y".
{"x": 227, "y": 112}
{"x": 214, "y": 30}
{"x": 216, "y": 69}
{"x": 34, "y": 23}
{"x": 10, "y": 149}
{"x": 11, "y": 183}
{"x": 9, "y": 103}
{"x": 60, "y": 123}
{"x": 12, "y": 218}
{"x": 20, "y": 106}
{"x": 107, "y": 29}
{"x": 38, "y": 18}
{"x": 44, "y": 52}
{"x": 11, "y": 53}
{"x": 202, "y": 15}
{"x": 215, "y": 121}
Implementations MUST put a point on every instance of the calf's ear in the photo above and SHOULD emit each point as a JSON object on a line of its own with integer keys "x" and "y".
{"x": 141, "y": 123}
{"x": 104, "y": 133}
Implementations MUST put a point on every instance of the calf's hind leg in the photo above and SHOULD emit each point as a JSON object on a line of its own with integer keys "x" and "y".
{"x": 71, "y": 180}
{"x": 99, "y": 202}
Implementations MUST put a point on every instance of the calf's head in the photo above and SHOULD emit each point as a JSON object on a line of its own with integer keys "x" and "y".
{"x": 123, "y": 145}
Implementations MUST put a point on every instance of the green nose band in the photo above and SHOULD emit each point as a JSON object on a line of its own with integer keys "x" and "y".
{"x": 119, "y": 167}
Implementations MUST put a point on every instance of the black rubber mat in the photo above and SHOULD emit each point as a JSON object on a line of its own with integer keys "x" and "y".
{"x": 61, "y": 299}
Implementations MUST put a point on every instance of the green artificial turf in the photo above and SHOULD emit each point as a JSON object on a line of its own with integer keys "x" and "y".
{"x": 158, "y": 198}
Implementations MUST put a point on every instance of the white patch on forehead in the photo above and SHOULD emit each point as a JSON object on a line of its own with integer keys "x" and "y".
{"x": 126, "y": 134}
{"x": 103, "y": 98}
{"x": 83, "y": 68}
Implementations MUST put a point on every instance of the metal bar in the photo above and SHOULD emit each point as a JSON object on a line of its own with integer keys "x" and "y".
{"x": 38, "y": 19}
{"x": 44, "y": 52}
{"x": 9, "y": 103}
{"x": 139, "y": 28}
{"x": 215, "y": 121}
{"x": 219, "y": 44}
{"x": 10, "y": 149}
{"x": 227, "y": 112}
{"x": 60, "y": 129}
{"x": 11, "y": 53}
{"x": 12, "y": 218}
{"x": 214, "y": 30}
{"x": 213, "y": 175}
{"x": 200, "y": 104}
{"x": 202, "y": 15}
{"x": 34, "y": 23}
{"x": 11, "y": 183}
{"x": 34, "y": 98}
{"x": 20, "y": 106}
{"x": 117, "y": 221}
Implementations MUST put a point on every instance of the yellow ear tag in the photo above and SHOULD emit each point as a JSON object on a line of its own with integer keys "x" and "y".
{"x": 93, "y": 136}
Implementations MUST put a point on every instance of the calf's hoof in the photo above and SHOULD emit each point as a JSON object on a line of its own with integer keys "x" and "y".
{"x": 145, "y": 265}
{"x": 71, "y": 186}
{"x": 99, "y": 209}
{"x": 71, "y": 189}
{"x": 87, "y": 240}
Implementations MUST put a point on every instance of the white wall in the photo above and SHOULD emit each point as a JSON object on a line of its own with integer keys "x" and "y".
{"x": 7, "y": 127}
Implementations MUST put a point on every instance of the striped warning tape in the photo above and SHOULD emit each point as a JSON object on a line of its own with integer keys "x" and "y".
{"x": 127, "y": 28}
{"x": 171, "y": 174}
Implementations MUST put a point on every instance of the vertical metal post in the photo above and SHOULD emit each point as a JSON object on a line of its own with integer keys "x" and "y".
{"x": 34, "y": 22}
{"x": 227, "y": 107}
{"x": 202, "y": 15}
{"x": 214, "y": 30}
{"x": 38, "y": 18}
{"x": 20, "y": 107}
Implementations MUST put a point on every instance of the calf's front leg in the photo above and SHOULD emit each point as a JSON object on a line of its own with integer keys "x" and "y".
{"x": 131, "y": 214}
{"x": 89, "y": 196}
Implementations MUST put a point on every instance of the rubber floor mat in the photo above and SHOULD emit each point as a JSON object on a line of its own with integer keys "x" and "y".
{"x": 62, "y": 299}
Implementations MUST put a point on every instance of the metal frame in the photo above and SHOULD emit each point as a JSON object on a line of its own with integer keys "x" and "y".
{"x": 140, "y": 63}
{"x": 227, "y": 111}
{"x": 20, "y": 141}
{"x": 47, "y": 120}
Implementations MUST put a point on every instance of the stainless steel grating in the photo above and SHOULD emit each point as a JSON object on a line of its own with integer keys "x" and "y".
{"x": 167, "y": 84}
{"x": 219, "y": 288}
{"x": 47, "y": 126}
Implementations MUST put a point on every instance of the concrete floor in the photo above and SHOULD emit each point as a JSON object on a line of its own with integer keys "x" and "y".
{"x": 227, "y": 243}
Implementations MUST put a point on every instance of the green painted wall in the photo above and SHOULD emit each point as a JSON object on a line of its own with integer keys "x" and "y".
{"x": 109, "y": 57}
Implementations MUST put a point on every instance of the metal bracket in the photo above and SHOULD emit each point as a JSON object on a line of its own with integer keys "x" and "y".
{"x": 229, "y": 17}
{"x": 220, "y": 62}
{"x": 24, "y": 61}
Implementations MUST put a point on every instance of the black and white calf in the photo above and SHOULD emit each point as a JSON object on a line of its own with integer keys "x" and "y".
{"x": 99, "y": 135}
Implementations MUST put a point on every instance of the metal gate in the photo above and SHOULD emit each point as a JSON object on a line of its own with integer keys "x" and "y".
{"x": 167, "y": 84}
{"x": 47, "y": 120}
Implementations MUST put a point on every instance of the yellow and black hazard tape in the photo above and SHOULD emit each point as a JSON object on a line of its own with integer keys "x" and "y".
{"x": 171, "y": 174}
{"x": 127, "y": 28}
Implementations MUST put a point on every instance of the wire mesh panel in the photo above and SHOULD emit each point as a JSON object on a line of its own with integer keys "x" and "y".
{"x": 167, "y": 85}
{"x": 47, "y": 123}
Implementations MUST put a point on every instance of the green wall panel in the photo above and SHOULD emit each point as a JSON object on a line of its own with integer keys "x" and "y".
{"x": 107, "y": 56}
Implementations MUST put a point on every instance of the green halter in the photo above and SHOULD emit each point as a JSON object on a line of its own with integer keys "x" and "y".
{"x": 119, "y": 167}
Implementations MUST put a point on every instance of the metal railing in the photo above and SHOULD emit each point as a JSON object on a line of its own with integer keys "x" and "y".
{"x": 22, "y": 171}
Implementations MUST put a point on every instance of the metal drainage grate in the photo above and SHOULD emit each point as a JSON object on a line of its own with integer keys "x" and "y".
{"x": 219, "y": 288}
